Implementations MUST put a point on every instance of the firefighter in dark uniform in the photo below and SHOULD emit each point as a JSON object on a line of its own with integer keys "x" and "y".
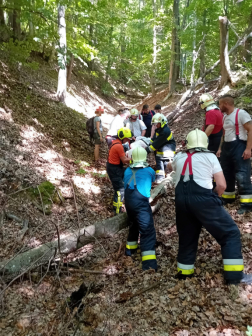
{"x": 235, "y": 153}
{"x": 115, "y": 170}
{"x": 163, "y": 144}
{"x": 137, "y": 182}
{"x": 213, "y": 121}
{"x": 198, "y": 205}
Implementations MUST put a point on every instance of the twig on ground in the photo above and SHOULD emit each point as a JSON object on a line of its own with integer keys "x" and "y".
{"x": 119, "y": 251}
{"x": 127, "y": 296}
{"x": 25, "y": 229}
{"x": 13, "y": 217}
{"x": 41, "y": 201}
{"x": 78, "y": 217}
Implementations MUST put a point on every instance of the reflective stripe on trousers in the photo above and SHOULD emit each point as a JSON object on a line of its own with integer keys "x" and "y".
{"x": 197, "y": 207}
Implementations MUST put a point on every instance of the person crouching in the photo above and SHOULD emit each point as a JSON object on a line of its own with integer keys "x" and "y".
{"x": 138, "y": 180}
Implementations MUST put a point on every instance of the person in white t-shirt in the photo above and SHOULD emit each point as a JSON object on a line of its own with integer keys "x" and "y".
{"x": 136, "y": 125}
{"x": 198, "y": 205}
{"x": 116, "y": 124}
{"x": 235, "y": 153}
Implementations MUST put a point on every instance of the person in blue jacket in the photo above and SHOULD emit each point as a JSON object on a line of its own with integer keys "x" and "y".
{"x": 138, "y": 179}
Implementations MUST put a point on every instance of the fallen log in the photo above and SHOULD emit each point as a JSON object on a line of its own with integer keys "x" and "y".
{"x": 68, "y": 243}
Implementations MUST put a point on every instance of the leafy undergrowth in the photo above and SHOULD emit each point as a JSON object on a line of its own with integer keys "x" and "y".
{"x": 34, "y": 150}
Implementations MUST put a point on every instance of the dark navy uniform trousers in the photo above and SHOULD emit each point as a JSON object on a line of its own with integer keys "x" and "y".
{"x": 197, "y": 207}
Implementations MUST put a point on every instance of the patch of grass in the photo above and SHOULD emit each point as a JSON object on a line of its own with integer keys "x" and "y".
{"x": 81, "y": 172}
{"x": 99, "y": 175}
{"x": 246, "y": 100}
{"x": 77, "y": 161}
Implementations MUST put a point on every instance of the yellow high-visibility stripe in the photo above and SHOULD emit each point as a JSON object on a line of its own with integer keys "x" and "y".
{"x": 157, "y": 134}
{"x": 186, "y": 272}
{"x": 132, "y": 247}
{"x": 151, "y": 141}
{"x": 160, "y": 172}
{"x": 244, "y": 200}
{"x": 169, "y": 137}
{"x": 227, "y": 196}
{"x": 152, "y": 148}
{"x": 160, "y": 152}
{"x": 149, "y": 257}
{"x": 233, "y": 268}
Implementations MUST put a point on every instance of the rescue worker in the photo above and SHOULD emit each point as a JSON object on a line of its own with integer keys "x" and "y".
{"x": 147, "y": 118}
{"x": 198, "y": 205}
{"x": 213, "y": 121}
{"x": 116, "y": 124}
{"x": 137, "y": 183}
{"x": 163, "y": 144}
{"x": 235, "y": 153}
{"x": 98, "y": 133}
{"x": 136, "y": 125}
{"x": 115, "y": 170}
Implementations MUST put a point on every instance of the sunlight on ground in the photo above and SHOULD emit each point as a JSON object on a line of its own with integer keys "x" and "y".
{"x": 86, "y": 184}
{"x": 5, "y": 116}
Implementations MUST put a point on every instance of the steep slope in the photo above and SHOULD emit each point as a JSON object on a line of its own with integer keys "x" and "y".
{"x": 43, "y": 140}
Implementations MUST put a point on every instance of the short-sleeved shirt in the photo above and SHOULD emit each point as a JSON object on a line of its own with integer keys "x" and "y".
{"x": 95, "y": 121}
{"x": 144, "y": 179}
{"x": 204, "y": 166}
{"x": 215, "y": 117}
{"x": 136, "y": 127}
{"x": 229, "y": 125}
{"x": 115, "y": 125}
{"x": 147, "y": 118}
{"x": 116, "y": 152}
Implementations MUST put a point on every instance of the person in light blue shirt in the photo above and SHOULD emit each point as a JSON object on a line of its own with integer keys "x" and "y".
{"x": 138, "y": 180}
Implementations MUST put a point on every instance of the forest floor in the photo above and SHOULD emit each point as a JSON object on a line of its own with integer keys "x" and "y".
{"x": 43, "y": 140}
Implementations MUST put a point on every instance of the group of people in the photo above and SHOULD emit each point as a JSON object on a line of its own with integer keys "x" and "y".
{"x": 220, "y": 152}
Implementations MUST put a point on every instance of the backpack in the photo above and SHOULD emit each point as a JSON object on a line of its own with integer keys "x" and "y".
{"x": 90, "y": 127}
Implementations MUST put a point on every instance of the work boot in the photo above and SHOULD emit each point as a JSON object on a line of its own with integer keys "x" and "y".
{"x": 181, "y": 276}
{"x": 243, "y": 210}
{"x": 246, "y": 279}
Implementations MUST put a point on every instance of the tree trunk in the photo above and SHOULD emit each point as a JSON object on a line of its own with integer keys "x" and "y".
{"x": 174, "y": 48}
{"x": 203, "y": 48}
{"x": 2, "y": 20}
{"x": 226, "y": 76}
{"x": 154, "y": 59}
{"x": 248, "y": 43}
{"x": 16, "y": 20}
{"x": 110, "y": 61}
{"x": 33, "y": 258}
{"x": 70, "y": 68}
{"x": 62, "y": 79}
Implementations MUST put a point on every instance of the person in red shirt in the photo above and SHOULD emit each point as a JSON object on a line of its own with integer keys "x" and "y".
{"x": 213, "y": 123}
{"x": 116, "y": 160}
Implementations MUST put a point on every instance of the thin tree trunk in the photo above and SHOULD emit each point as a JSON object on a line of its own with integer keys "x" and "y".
{"x": 2, "y": 20}
{"x": 35, "y": 257}
{"x": 123, "y": 50}
{"x": 110, "y": 61}
{"x": 154, "y": 59}
{"x": 203, "y": 48}
{"x": 224, "y": 57}
{"x": 62, "y": 79}
{"x": 174, "y": 48}
{"x": 16, "y": 20}
{"x": 194, "y": 53}
{"x": 248, "y": 43}
{"x": 70, "y": 68}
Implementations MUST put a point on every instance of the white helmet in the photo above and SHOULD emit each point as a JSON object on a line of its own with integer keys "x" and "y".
{"x": 139, "y": 156}
{"x": 159, "y": 118}
{"x": 134, "y": 112}
{"x": 197, "y": 139}
{"x": 205, "y": 100}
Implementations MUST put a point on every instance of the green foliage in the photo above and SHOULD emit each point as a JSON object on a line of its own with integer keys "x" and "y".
{"x": 81, "y": 171}
{"x": 117, "y": 36}
{"x": 99, "y": 175}
{"x": 246, "y": 100}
